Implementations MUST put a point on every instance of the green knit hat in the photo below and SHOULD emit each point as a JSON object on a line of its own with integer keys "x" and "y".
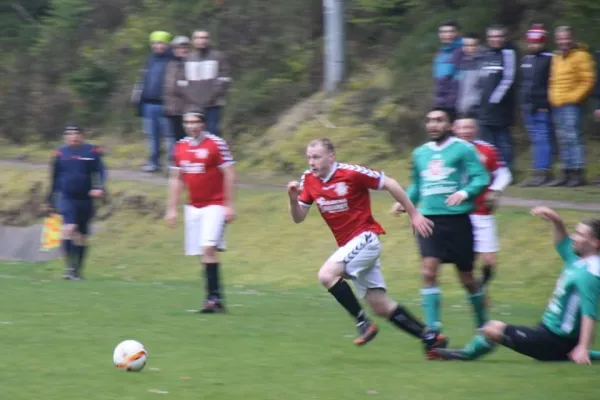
{"x": 160, "y": 36}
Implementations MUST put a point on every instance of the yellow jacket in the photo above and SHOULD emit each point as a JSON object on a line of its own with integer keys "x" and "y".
{"x": 572, "y": 76}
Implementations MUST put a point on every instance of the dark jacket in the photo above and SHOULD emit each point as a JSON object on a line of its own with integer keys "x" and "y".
{"x": 174, "y": 100}
{"x": 469, "y": 90}
{"x": 498, "y": 75}
{"x": 156, "y": 66}
{"x": 596, "y": 92}
{"x": 445, "y": 74}
{"x": 535, "y": 74}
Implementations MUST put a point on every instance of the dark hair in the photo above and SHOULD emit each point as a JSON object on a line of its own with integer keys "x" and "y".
{"x": 471, "y": 35}
{"x": 72, "y": 127}
{"x": 594, "y": 225}
{"x": 450, "y": 112}
{"x": 196, "y": 113}
{"x": 326, "y": 143}
{"x": 450, "y": 23}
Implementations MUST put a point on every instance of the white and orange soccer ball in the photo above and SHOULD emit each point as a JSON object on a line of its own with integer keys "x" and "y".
{"x": 130, "y": 355}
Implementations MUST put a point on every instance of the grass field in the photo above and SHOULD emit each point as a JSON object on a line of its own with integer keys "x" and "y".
{"x": 284, "y": 336}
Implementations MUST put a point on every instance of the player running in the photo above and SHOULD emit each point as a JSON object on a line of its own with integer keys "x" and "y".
{"x": 447, "y": 177}
{"x": 203, "y": 165}
{"x": 341, "y": 193}
{"x": 78, "y": 177}
{"x": 567, "y": 327}
{"x": 484, "y": 223}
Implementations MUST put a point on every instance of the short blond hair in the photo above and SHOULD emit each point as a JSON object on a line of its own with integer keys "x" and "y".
{"x": 326, "y": 143}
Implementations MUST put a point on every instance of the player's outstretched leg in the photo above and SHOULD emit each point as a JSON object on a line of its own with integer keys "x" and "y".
{"x": 481, "y": 344}
{"x": 214, "y": 296}
{"x": 331, "y": 276}
{"x": 403, "y": 319}
{"x": 475, "y": 295}
{"x": 594, "y": 354}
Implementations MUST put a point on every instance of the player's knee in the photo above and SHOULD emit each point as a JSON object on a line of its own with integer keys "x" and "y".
{"x": 429, "y": 273}
{"x": 488, "y": 258}
{"x": 209, "y": 251}
{"x": 329, "y": 274}
{"x": 493, "y": 330}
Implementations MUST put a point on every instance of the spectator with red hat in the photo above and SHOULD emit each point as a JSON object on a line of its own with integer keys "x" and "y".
{"x": 535, "y": 73}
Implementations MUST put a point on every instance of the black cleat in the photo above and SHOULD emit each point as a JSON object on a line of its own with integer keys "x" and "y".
{"x": 448, "y": 355}
{"x": 366, "y": 332}
{"x": 433, "y": 340}
{"x": 212, "y": 306}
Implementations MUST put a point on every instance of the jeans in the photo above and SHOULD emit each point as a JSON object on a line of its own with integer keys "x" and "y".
{"x": 213, "y": 116}
{"x": 567, "y": 122}
{"x": 499, "y": 137}
{"x": 176, "y": 122}
{"x": 539, "y": 127}
{"x": 156, "y": 127}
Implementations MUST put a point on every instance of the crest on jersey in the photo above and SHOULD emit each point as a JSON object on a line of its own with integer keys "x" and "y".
{"x": 341, "y": 189}
{"x": 437, "y": 171}
{"x": 201, "y": 153}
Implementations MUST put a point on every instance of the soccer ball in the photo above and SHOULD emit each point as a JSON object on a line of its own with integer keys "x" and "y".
{"x": 130, "y": 355}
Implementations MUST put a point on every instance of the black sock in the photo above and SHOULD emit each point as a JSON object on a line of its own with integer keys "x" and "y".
{"x": 404, "y": 320}
{"x": 69, "y": 250}
{"x": 79, "y": 256}
{"x": 488, "y": 273}
{"x": 212, "y": 280}
{"x": 344, "y": 295}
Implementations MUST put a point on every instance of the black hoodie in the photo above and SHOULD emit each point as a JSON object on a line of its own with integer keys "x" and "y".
{"x": 535, "y": 73}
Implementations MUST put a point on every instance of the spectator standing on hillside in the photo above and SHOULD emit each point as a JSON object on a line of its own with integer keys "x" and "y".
{"x": 535, "y": 73}
{"x": 469, "y": 90}
{"x": 208, "y": 76}
{"x": 156, "y": 125}
{"x": 174, "y": 85}
{"x": 596, "y": 97}
{"x": 572, "y": 80}
{"x": 496, "y": 113}
{"x": 445, "y": 66}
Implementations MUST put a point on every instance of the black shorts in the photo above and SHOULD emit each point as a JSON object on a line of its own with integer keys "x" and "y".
{"x": 538, "y": 343}
{"x": 77, "y": 212}
{"x": 452, "y": 241}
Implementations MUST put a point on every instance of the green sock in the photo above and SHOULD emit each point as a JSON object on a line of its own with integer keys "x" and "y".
{"x": 478, "y": 346}
{"x": 594, "y": 354}
{"x": 432, "y": 297}
{"x": 479, "y": 309}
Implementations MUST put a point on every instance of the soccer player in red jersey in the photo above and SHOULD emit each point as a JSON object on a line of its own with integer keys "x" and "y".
{"x": 203, "y": 165}
{"x": 341, "y": 193}
{"x": 484, "y": 224}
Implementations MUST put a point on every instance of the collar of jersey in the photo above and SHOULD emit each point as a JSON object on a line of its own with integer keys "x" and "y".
{"x": 196, "y": 142}
{"x": 447, "y": 143}
{"x": 333, "y": 169}
{"x": 592, "y": 263}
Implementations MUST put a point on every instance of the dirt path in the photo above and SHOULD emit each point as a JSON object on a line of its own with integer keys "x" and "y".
{"x": 135, "y": 176}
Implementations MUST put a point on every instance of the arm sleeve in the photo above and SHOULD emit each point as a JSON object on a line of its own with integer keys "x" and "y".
{"x": 589, "y": 292}
{"x": 368, "y": 178}
{"x": 509, "y": 60}
{"x": 100, "y": 169}
{"x": 54, "y": 177}
{"x": 479, "y": 177}
{"x": 501, "y": 175}
{"x": 224, "y": 78}
{"x": 413, "y": 190}
{"x": 225, "y": 158}
{"x": 586, "y": 70}
{"x": 564, "y": 248}
{"x": 305, "y": 199}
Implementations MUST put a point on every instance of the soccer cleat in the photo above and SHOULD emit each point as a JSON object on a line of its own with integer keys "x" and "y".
{"x": 212, "y": 306}
{"x": 366, "y": 332}
{"x": 448, "y": 355}
{"x": 70, "y": 275}
{"x": 433, "y": 340}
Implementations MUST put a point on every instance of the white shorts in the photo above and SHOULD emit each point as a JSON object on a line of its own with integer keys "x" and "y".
{"x": 204, "y": 227}
{"x": 360, "y": 257}
{"x": 485, "y": 234}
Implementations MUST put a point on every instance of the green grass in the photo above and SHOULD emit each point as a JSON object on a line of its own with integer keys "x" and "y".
{"x": 284, "y": 336}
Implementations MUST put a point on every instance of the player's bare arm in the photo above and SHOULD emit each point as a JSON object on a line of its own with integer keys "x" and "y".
{"x": 559, "y": 231}
{"x": 229, "y": 189}
{"x": 297, "y": 211}
{"x": 418, "y": 221}
{"x": 174, "y": 194}
{"x": 580, "y": 354}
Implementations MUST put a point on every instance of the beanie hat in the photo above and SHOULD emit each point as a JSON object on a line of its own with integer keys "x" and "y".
{"x": 536, "y": 34}
{"x": 160, "y": 36}
{"x": 180, "y": 41}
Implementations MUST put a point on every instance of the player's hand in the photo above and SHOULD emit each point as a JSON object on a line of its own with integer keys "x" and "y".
{"x": 491, "y": 200}
{"x": 397, "y": 209}
{"x": 545, "y": 213}
{"x": 580, "y": 355}
{"x": 96, "y": 193}
{"x": 171, "y": 218}
{"x": 229, "y": 214}
{"x": 422, "y": 225}
{"x": 456, "y": 199}
{"x": 293, "y": 189}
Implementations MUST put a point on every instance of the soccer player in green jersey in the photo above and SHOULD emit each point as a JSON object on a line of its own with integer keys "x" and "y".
{"x": 447, "y": 177}
{"x": 567, "y": 327}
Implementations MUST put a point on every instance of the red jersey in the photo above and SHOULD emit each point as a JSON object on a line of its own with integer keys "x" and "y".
{"x": 200, "y": 163}
{"x": 343, "y": 199}
{"x": 491, "y": 159}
